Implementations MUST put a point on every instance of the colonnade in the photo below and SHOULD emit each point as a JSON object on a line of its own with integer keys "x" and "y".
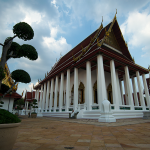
{"x": 117, "y": 89}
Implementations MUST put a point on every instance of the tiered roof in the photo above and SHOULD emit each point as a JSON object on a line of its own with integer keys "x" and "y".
{"x": 30, "y": 96}
{"x": 107, "y": 41}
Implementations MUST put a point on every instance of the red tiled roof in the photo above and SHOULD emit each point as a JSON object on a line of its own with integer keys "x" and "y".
{"x": 29, "y": 96}
{"x": 13, "y": 95}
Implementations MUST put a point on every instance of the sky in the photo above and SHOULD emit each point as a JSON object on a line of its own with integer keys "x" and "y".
{"x": 59, "y": 25}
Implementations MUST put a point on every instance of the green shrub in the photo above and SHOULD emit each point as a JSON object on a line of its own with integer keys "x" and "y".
{"x": 7, "y": 117}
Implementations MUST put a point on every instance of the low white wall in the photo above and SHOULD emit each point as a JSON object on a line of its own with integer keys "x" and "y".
{"x": 8, "y": 104}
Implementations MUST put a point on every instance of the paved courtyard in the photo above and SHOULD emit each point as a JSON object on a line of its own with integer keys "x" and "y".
{"x": 48, "y": 133}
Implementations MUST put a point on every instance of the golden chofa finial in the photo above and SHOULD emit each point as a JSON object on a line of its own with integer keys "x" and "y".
{"x": 149, "y": 68}
{"x": 116, "y": 14}
{"x": 102, "y": 22}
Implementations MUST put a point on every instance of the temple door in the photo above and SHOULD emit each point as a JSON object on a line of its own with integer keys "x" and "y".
{"x": 81, "y": 93}
{"x": 79, "y": 99}
{"x": 109, "y": 93}
{"x": 57, "y": 99}
{"x": 95, "y": 92}
{"x": 72, "y": 95}
{"x": 53, "y": 99}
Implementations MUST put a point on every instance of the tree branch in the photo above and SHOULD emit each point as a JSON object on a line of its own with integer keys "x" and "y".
{"x": 8, "y": 90}
{"x": 12, "y": 55}
{"x": 1, "y": 44}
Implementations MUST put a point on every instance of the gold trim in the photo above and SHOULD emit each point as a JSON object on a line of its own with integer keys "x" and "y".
{"x": 85, "y": 49}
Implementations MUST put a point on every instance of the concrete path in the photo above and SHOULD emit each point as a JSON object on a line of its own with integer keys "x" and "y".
{"x": 48, "y": 133}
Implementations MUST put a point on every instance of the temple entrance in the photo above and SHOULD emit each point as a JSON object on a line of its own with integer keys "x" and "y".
{"x": 57, "y": 99}
{"x": 64, "y": 98}
{"x": 53, "y": 100}
{"x": 81, "y": 88}
{"x": 95, "y": 92}
{"x": 109, "y": 93}
{"x": 96, "y": 97}
{"x": 72, "y": 95}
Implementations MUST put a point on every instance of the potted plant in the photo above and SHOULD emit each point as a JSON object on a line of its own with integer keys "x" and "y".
{"x": 34, "y": 114}
{"x": 9, "y": 125}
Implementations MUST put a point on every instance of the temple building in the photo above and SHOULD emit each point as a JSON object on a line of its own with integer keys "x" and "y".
{"x": 93, "y": 71}
{"x": 29, "y": 97}
{"x": 13, "y": 96}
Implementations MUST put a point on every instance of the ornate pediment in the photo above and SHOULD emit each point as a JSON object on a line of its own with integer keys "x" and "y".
{"x": 8, "y": 80}
{"x": 112, "y": 41}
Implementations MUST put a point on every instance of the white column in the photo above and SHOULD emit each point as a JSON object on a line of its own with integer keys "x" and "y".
{"x": 41, "y": 95}
{"x": 135, "y": 92}
{"x": 44, "y": 96}
{"x": 27, "y": 104}
{"x": 114, "y": 85}
{"x": 118, "y": 87}
{"x": 126, "y": 91}
{"x": 75, "y": 89}
{"x": 61, "y": 92}
{"x": 56, "y": 93}
{"x": 67, "y": 89}
{"x": 51, "y": 94}
{"x": 37, "y": 97}
{"x": 88, "y": 85}
{"x": 140, "y": 90}
{"x": 35, "y": 94}
{"x": 121, "y": 88}
{"x": 146, "y": 90}
{"x": 129, "y": 89}
{"x": 101, "y": 87}
{"x": 47, "y": 95}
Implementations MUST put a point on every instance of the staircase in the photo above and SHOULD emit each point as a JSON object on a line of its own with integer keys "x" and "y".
{"x": 73, "y": 117}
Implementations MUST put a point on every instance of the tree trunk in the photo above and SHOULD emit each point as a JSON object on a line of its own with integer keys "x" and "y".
{"x": 8, "y": 90}
{"x": 3, "y": 57}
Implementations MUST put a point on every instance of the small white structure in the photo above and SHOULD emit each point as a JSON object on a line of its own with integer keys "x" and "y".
{"x": 106, "y": 114}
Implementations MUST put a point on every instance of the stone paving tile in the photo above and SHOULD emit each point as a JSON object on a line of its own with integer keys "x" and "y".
{"x": 82, "y": 134}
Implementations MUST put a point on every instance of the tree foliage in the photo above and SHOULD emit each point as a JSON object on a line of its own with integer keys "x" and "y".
{"x": 14, "y": 49}
{"x": 4, "y": 88}
{"x": 11, "y": 49}
{"x": 7, "y": 117}
{"x": 21, "y": 76}
{"x": 23, "y": 31}
{"x": 28, "y": 51}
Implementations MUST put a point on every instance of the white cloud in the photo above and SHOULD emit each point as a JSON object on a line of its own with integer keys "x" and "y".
{"x": 32, "y": 16}
{"x": 137, "y": 29}
{"x": 56, "y": 46}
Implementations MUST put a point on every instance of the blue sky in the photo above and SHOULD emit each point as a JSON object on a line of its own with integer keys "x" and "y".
{"x": 59, "y": 25}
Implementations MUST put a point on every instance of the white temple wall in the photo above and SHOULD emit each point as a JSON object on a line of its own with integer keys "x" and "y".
{"x": 6, "y": 103}
{"x": 82, "y": 78}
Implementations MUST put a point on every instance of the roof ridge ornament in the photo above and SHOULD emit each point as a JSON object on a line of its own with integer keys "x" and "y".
{"x": 86, "y": 48}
